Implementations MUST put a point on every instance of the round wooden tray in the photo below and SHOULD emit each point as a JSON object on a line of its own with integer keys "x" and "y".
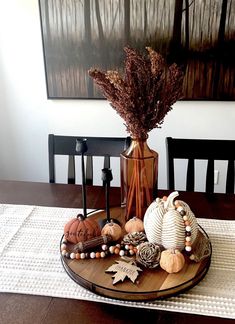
{"x": 150, "y": 284}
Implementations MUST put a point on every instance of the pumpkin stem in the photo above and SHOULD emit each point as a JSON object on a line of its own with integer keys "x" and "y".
{"x": 169, "y": 203}
{"x": 111, "y": 223}
{"x": 81, "y": 217}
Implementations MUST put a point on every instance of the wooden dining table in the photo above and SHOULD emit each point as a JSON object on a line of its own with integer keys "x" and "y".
{"x": 24, "y": 308}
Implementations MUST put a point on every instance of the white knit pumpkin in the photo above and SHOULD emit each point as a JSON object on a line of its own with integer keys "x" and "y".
{"x": 164, "y": 225}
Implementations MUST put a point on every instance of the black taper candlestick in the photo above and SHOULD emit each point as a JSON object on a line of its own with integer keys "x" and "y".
{"x": 81, "y": 147}
{"x": 107, "y": 177}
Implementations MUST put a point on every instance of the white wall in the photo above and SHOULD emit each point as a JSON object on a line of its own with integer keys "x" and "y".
{"x": 27, "y": 116}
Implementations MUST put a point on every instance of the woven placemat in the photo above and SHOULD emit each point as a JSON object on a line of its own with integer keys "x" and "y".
{"x": 30, "y": 263}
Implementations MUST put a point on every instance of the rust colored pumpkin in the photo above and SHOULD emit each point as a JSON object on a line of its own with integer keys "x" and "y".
{"x": 172, "y": 261}
{"x": 81, "y": 229}
{"x": 134, "y": 225}
{"x": 112, "y": 229}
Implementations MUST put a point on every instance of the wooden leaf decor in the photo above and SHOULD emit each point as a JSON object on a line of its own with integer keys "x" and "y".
{"x": 124, "y": 269}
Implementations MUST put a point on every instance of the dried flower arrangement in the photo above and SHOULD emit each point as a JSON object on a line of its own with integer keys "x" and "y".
{"x": 146, "y": 92}
{"x": 142, "y": 97}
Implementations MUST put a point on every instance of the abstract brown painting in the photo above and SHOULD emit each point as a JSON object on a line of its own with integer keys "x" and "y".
{"x": 199, "y": 35}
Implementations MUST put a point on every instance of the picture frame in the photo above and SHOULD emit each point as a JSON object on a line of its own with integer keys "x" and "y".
{"x": 198, "y": 35}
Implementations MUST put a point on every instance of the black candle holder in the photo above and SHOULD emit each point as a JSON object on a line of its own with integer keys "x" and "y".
{"x": 81, "y": 147}
{"x": 107, "y": 177}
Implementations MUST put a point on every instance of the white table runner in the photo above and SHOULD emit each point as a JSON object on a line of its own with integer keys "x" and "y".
{"x": 30, "y": 263}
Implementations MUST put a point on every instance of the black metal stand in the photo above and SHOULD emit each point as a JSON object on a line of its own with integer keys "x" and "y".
{"x": 107, "y": 177}
{"x": 81, "y": 147}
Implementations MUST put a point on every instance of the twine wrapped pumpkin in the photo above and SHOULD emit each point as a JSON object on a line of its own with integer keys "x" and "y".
{"x": 164, "y": 224}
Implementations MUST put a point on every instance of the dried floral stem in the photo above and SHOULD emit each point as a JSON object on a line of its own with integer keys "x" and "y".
{"x": 144, "y": 95}
{"x": 136, "y": 191}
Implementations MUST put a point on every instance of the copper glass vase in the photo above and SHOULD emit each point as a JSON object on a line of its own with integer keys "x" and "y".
{"x": 139, "y": 171}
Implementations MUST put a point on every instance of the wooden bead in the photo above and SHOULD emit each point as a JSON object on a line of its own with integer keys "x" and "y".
{"x": 188, "y": 243}
{"x": 179, "y": 209}
{"x": 116, "y": 250}
{"x": 122, "y": 253}
{"x": 111, "y": 249}
{"x": 164, "y": 198}
{"x": 63, "y": 252}
{"x": 77, "y": 256}
{"x": 72, "y": 255}
{"x": 97, "y": 255}
{"x": 177, "y": 204}
{"x": 63, "y": 247}
{"x": 188, "y": 228}
{"x": 92, "y": 255}
{"x": 102, "y": 254}
{"x": 131, "y": 252}
{"x": 104, "y": 247}
{"x": 187, "y": 223}
{"x": 82, "y": 256}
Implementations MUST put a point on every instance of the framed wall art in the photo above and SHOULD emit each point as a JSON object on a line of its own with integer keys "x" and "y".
{"x": 199, "y": 35}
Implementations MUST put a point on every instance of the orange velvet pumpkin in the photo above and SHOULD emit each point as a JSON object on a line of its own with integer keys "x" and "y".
{"x": 81, "y": 229}
{"x": 112, "y": 229}
{"x": 134, "y": 225}
{"x": 172, "y": 260}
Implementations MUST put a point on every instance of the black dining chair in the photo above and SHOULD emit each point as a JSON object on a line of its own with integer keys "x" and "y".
{"x": 105, "y": 147}
{"x": 200, "y": 149}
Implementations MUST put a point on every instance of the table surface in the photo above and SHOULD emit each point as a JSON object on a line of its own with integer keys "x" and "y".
{"x": 19, "y": 308}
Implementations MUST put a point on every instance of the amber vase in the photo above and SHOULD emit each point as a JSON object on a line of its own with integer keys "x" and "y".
{"x": 139, "y": 173}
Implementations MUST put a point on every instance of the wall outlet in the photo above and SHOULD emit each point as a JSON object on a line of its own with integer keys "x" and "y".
{"x": 216, "y": 177}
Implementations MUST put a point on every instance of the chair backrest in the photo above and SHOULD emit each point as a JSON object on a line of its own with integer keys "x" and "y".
{"x": 96, "y": 146}
{"x": 201, "y": 149}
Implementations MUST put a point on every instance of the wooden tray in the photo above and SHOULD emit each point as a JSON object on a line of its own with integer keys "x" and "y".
{"x": 150, "y": 284}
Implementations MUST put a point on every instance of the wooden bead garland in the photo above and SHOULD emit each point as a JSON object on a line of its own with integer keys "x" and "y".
{"x": 188, "y": 244}
{"x": 119, "y": 249}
